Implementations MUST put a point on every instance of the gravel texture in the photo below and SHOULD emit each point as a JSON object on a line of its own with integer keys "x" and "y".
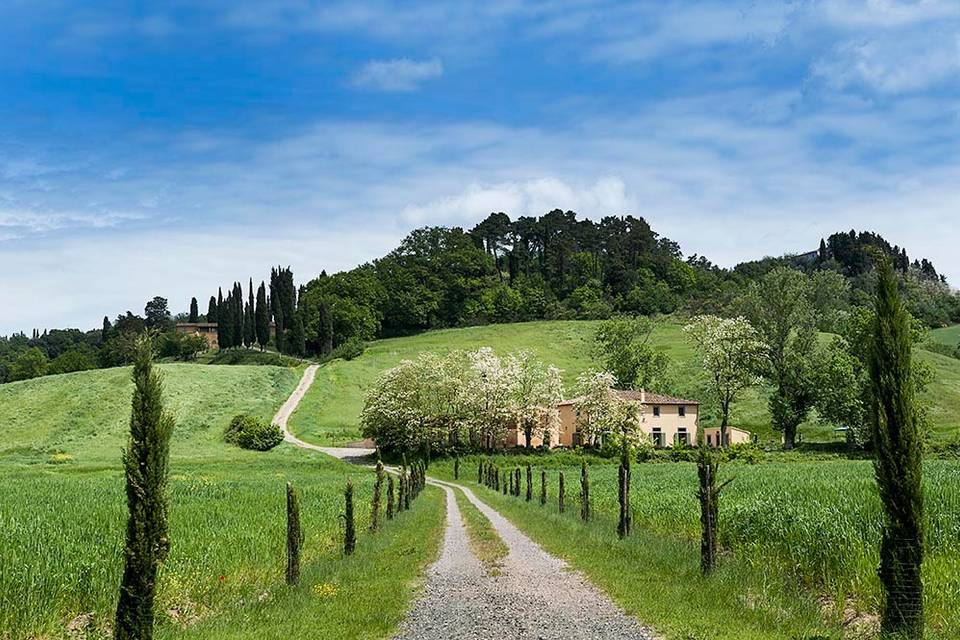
{"x": 536, "y": 596}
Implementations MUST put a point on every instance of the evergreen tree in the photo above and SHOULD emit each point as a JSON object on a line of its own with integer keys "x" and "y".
{"x": 326, "y": 328}
{"x": 237, "y": 312}
{"x": 224, "y": 324}
{"x": 105, "y": 332}
{"x": 249, "y": 328}
{"x": 296, "y": 340}
{"x": 145, "y": 463}
{"x": 898, "y": 464}
{"x": 212, "y": 310}
{"x": 262, "y": 315}
{"x": 276, "y": 307}
{"x": 194, "y": 311}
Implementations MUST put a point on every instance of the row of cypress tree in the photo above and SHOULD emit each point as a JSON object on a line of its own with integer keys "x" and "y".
{"x": 246, "y": 323}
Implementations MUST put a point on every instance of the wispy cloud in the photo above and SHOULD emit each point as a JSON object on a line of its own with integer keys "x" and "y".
{"x": 399, "y": 74}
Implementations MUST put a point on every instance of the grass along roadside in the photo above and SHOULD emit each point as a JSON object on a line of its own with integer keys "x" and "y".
{"x": 484, "y": 540}
{"x": 62, "y": 539}
{"x": 802, "y": 538}
{"x": 365, "y": 595}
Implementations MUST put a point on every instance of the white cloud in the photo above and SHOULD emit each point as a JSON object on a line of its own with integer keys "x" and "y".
{"x": 22, "y": 223}
{"x": 399, "y": 74}
{"x": 605, "y": 196}
{"x": 896, "y": 63}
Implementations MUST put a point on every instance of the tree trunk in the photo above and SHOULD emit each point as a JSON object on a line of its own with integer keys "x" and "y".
{"x": 725, "y": 421}
{"x": 789, "y": 436}
{"x": 294, "y": 536}
{"x": 528, "y": 435}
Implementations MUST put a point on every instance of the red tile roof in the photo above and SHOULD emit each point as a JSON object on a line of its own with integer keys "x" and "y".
{"x": 648, "y": 398}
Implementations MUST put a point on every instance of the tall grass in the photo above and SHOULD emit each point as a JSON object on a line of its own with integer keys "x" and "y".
{"x": 61, "y": 539}
{"x": 818, "y": 522}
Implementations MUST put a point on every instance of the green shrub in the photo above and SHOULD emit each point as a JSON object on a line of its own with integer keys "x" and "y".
{"x": 249, "y": 432}
{"x": 352, "y": 348}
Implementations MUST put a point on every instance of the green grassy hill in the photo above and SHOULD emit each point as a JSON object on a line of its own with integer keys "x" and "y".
{"x": 62, "y": 519}
{"x": 330, "y": 411}
{"x": 85, "y": 414}
{"x": 947, "y": 335}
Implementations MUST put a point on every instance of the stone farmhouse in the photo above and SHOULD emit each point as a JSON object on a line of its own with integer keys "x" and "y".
{"x": 667, "y": 421}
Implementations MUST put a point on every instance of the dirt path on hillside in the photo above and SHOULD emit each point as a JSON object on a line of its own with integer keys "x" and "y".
{"x": 537, "y": 596}
{"x": 283, "y": 415}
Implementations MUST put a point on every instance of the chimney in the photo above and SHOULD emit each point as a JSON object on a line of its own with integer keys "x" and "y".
{"x": 643, "y": 396}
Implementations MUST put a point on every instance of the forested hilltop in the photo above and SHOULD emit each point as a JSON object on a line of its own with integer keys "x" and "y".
{"x": 550, "y": 267}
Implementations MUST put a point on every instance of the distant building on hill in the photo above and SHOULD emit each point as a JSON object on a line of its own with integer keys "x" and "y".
{"x": 667, "y": 421}
{"x": 206, "y": 329}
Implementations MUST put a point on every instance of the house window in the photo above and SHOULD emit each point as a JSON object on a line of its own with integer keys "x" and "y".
{"x": 682, "y": 437}
{"x": 657, "y": 438}
{"x": 709, "y": 440}
{"x": 682, "y": 410}
{"x": 656, "y": 412}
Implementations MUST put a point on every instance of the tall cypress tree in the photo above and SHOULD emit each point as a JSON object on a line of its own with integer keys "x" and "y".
{"x": 237, "y": 315}
{"x": 262, "y": 316}
{"x": 326, "y": 328}
{"x": 223, "y": 323}
{"x": 145, "y": 463}
{"x": 105, "y": 331}
{"x": 276, "y": 306}
{"x": 898, "y": 464}
{"x": 194, "y": 311}
{"x": 212, "y": 310}
{"x": 249, "y": 330}
{"x": 296, "y": 338}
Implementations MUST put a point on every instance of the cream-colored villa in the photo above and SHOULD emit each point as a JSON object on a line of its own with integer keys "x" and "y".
{"x": 666, "y": 420}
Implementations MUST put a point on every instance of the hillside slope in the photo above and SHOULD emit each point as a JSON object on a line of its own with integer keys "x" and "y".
{"x": 85, "y": 414}
{"x": 330, "y": 411}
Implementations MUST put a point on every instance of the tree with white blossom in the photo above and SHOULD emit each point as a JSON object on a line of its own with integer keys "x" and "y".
{"x": 731, "y": 352}
{"x": 535, "y": 390}
{"x": 489, "y": 397}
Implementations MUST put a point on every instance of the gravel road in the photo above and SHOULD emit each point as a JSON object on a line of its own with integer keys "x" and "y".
{"x": 537, "y": 596}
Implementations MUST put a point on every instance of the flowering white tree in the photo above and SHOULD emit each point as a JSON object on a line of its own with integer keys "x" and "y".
{"x": 601, "y": 412}
{"x": 418, "y": 402}
{"x": 534, "y": 391}
{"x": 489, "y": 397}
{"x": 732, "y": 353}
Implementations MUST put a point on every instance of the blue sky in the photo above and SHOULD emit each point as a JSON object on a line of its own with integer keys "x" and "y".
{"x": 164, "y": 149}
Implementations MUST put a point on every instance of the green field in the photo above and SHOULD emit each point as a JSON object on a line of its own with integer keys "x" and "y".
{"x": 62, "y": 524}
{"x": 795, "y": 536}
{"x": 330, "y": 411}
{"x": 947, "y": 335}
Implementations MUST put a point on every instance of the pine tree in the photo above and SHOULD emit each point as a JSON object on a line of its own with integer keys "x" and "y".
{"x": 326, "y": 328}
{"x": 249, "y": 330}
{"x": 262, "y": 315}
{"x": 294, "y": 536}
{"x": 297, "y": 340}
{"x": 898, "y": 464}
{"x": 212, "y": 310}
{"x": 224, "y": 325}
{"x": 145, "y": 463}
{"x": 237, "y": 315}
{"x": 194, "y": 311}
{"x": 349, "y": 527}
